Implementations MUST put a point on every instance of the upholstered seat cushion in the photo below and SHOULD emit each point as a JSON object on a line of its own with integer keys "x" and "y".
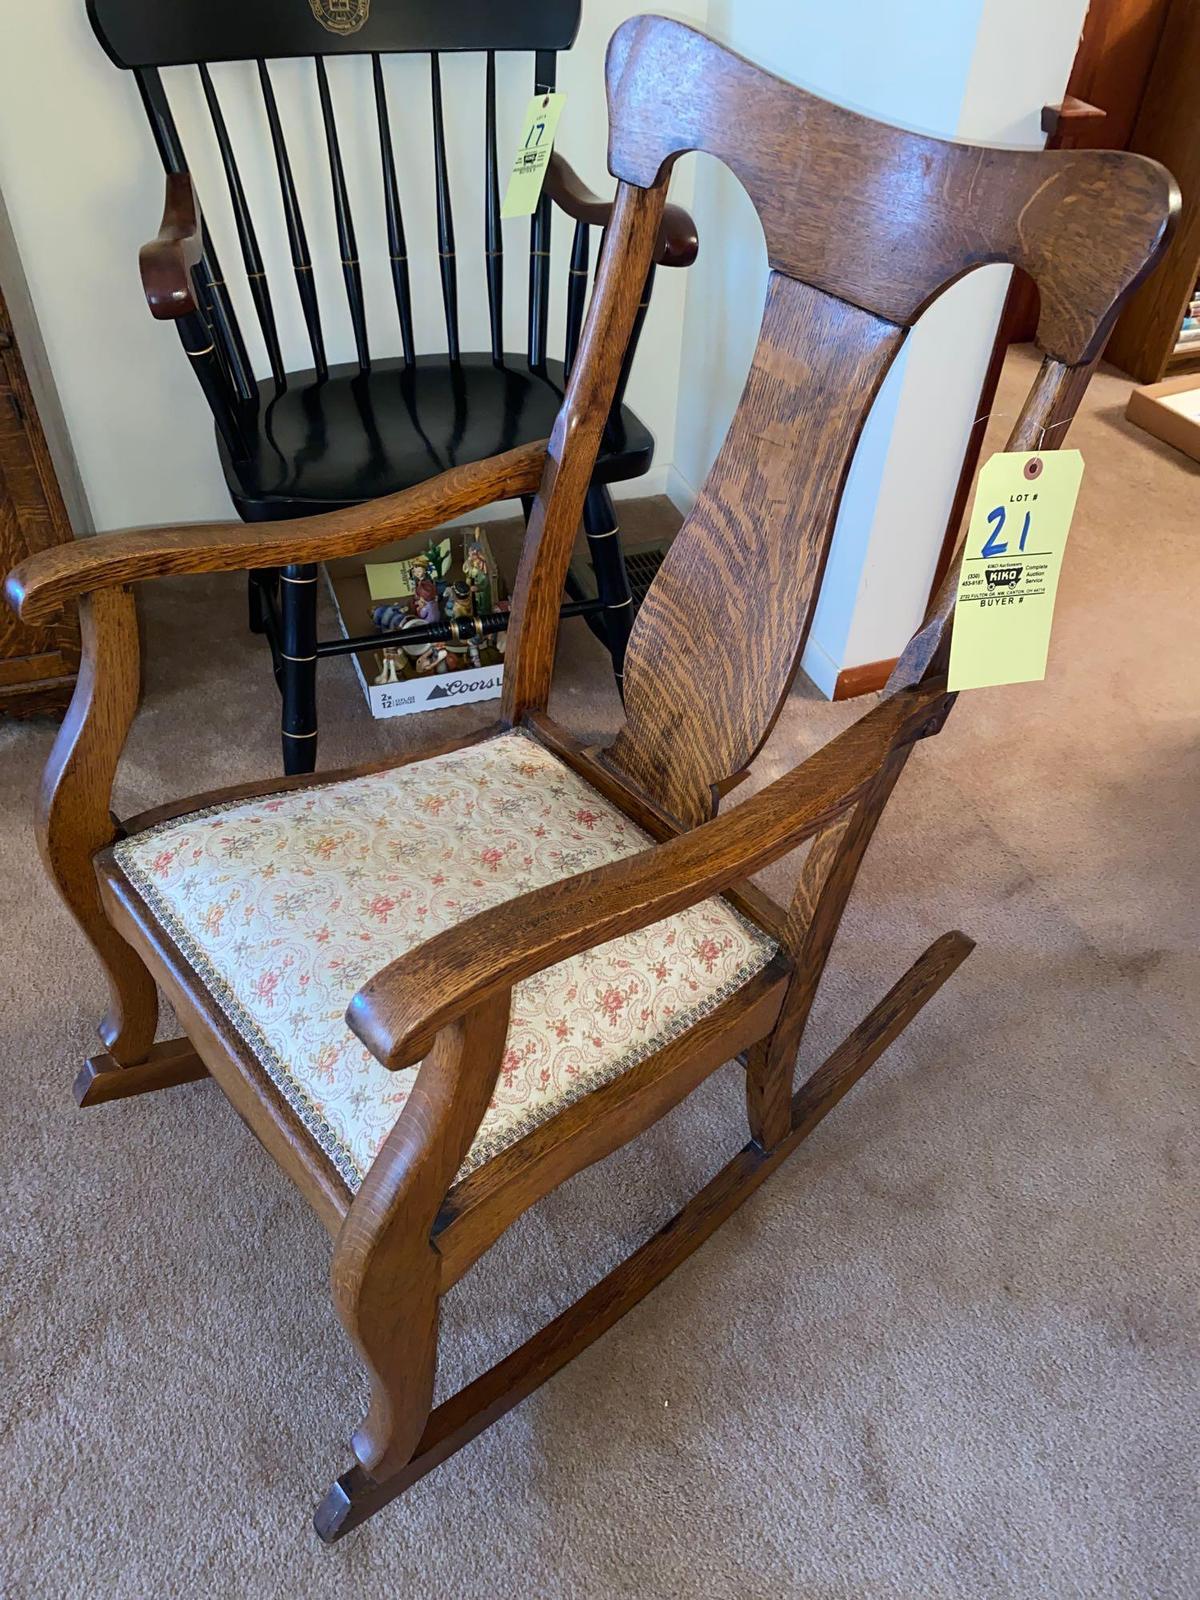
{"x": 286, "y": 904}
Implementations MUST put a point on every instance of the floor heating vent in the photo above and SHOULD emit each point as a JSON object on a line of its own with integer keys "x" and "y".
{"x": 642, "y": 565}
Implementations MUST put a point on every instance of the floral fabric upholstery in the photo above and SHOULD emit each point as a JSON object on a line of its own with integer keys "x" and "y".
{"x": 285, "y": 905}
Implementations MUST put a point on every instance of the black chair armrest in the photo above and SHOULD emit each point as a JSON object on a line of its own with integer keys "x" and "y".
{"x": 678, "y": 242}
{"x": 166, "y": 262}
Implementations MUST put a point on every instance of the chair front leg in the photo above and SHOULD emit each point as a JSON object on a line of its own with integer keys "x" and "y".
{"x": 298, "y": 667}
{"x": 386, "y": 1270}
{"x": 73, "y": 816}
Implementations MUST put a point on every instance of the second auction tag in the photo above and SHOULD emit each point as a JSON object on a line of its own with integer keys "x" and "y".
{"x": 533, "y": 155}
{"x": 1019, "y": 525}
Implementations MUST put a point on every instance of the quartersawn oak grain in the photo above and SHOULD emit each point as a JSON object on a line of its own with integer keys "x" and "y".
{"x": 731, "y": 627}
{"x": 864, "y": 225}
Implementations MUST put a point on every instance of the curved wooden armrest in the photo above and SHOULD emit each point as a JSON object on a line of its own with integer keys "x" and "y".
{"x": 42, "y": 584}
{"x": 166, "y": 262}
{"x": 399, "y": 1012}
{"x": 678, "y": 242}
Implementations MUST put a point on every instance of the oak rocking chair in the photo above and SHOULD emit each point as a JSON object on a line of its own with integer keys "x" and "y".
{"x": 599, "y": 950}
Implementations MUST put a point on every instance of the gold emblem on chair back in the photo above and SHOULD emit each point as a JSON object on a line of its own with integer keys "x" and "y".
{"x": 341, "y": 16}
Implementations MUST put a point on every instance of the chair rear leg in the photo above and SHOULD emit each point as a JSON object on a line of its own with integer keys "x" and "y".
{"x": 612, "y": 581}
{"x": 298, "y": 667}
{"x": 768, "y": 1093}
{"x": 262, "y": 592}
{"x": 818, "y": 905}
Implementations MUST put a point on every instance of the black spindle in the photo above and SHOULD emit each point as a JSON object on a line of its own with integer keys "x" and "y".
{"x": 539, "y": 236}
{"x": 397, "y": 248}
{"x": 491, "y": 220}
{"x": 445, "y": 217}
{"x": 210, "y": 284}
{"x": 345, "y": 223}
{"x": 247, "y": 238}
{"x": 297, "y": 239}
{"x": 631, "y": 347}
{"x": 577, "y": 285}
{"x": 196, "y": 336}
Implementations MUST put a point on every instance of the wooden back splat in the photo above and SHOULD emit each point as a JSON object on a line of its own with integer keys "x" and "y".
{"x": 865, "y": 224}
{"x": 717, "y": 640}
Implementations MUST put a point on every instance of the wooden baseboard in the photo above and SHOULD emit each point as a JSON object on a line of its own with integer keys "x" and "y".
{"x": 867, "y": 679}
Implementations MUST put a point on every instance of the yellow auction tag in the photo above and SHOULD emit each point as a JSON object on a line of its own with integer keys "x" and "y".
{"x": 533, "y": 155}
{"x": 1011, "y": 561}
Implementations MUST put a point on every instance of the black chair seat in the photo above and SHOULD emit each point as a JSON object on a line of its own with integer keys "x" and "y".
{"x": 317, "y": 446}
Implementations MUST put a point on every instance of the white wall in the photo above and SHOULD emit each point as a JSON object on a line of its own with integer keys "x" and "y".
{"x": 83, "y": 186}
{"x": 1007, "y": 84}
{"x": 978, "y": 69}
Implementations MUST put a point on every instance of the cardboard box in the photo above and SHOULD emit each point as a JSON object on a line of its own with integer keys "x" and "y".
{"x": 1170, "y": 411}
{"x": 352, "y": 599}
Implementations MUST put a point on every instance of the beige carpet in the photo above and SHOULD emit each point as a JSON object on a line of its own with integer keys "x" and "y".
{"x": 949, "y": 1351}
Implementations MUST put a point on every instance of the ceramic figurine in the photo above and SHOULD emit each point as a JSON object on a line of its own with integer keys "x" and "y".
{"x": 413, "y": 651}
{"x": 426, "y": 600}
{"x": 478, "y": 573}
{"x": 501, "y": 640}
{"x": 391, "y": 617}
{"x": 432, "y": 659}
{"x": 493, "y": 645}
{"x": 394, "y": 667}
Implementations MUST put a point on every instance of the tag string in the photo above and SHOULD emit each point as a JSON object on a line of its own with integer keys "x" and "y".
{"x": 1051, "y": 429}
{"x": 1001, "y": 415}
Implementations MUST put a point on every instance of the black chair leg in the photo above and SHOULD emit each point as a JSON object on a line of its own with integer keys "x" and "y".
{"x": 298, "y": 655}
{"x": 574, "y": 588}
{"x": 262, "y": 593}
{"x": 612, "y": 581}
{"x": 259, "y": 581}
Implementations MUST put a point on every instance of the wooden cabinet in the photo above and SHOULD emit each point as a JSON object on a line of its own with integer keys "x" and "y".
{"x": 37, "y": 665}
{"x": 1152, "y": 339}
